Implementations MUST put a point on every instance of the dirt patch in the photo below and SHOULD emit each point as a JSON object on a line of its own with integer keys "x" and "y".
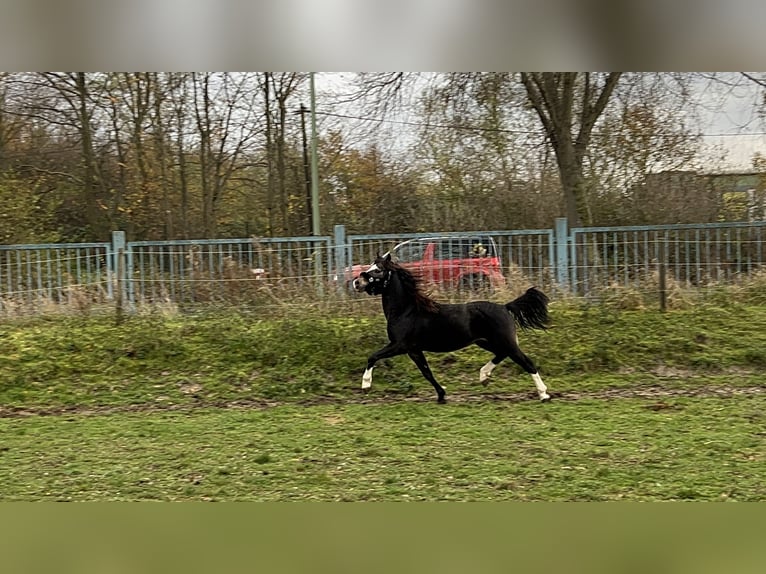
{"x": 651, "y": 393}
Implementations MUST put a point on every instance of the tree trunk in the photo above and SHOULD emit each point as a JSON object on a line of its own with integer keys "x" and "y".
{"x": 269, "y": 154}
{"x": 556, "y": 96}
{"x": 180, "y": 117}
{"x": 207, "y": 173}
{"x": 122, "y": 176}
{"x": 281, "y": 172}
{"x": 90, "y": 188}
{"x": 573, "y": 186}
{"x": 160, "y": 151}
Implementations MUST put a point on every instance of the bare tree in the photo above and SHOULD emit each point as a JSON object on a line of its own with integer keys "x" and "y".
{"x": 568, "y": 105}
{"x": 71, "y": 100}
{"x": 159, "y": 85}
{"x": 224, "y": 114}
{"x": 178, "y": 87}
{"x": 267, "y": 89}
{"x": 285, "y": 86}
{"x": 481, "y": 148}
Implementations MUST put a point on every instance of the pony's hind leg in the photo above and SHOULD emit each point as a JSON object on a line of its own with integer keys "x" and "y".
{"x": 529, "y": 366}
{"x": 420, "y": 360}
{"x": 486, "y": 370}
{"x": 542, "y": 390}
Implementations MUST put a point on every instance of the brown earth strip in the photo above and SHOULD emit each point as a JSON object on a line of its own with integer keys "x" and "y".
{"x": 655, "y": 393}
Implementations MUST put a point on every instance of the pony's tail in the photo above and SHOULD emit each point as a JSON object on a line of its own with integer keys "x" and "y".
{"x": 531, "y": 309}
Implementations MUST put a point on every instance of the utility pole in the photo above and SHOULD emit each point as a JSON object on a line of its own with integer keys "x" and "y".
{"x": 306, "y": 169}
{"x": 314, "y": 169}
{"x": 315, "y": 185}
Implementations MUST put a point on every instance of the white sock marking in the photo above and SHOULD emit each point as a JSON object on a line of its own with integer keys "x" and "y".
{"x": 542, "y": 390}
{"x": 485, "y": 372}
{"x": 367, "y": 379}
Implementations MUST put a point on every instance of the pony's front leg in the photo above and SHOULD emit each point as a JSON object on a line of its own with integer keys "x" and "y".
{"x": 420, "y": 360}
{"x": 390, "y": 350}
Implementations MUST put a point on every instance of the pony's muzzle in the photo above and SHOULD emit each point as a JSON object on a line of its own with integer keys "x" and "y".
{"x": 360, "y": 283}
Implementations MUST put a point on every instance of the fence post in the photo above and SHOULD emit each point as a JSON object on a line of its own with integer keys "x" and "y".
{"x": 340, "y": 251}
{"x": 561, "y": 234}
{"x": 663, "y": 285}
{"x": 119, "y": 301}
{"x": 118, "y": 268}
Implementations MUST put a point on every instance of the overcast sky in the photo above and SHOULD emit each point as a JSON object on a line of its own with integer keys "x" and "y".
{"x": 729, "y": 120}
{"x": 735, "y": 112}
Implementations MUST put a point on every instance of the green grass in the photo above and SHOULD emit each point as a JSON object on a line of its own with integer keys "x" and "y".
{"x": 693, "y": 449}
{"x": 181, "y": 360}
{"x": 233, "y": 407}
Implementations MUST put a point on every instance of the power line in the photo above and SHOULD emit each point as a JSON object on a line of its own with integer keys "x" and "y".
{"x": 723, "y": 135}
{"x": 500, "y": 130}
{"x": 428, "y": 124}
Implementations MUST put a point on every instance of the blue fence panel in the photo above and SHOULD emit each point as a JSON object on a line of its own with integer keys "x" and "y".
{"x": 55, "y": 273}
{"x": 694, "y": 254}
{"x": 582, "y": 260}
{"x": 231, "y": 270}
{"x": 526, "y": 256}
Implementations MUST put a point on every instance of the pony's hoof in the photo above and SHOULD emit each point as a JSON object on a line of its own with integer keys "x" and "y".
{"x": 546, "y": 398}
{"x": 442, "y": 400}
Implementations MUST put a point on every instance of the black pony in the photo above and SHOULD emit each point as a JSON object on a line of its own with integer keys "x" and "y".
{"x": 417, "y": 323}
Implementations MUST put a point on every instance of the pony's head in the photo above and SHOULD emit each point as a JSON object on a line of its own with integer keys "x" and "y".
{"x": 375, "y": 280}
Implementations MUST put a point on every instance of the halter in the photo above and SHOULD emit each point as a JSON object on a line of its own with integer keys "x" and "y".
{"x": 386, "y": 279}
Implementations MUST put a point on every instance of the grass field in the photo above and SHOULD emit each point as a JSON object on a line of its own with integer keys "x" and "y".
{"x": 649, "y": 406}
{"x": 691, "y": 448}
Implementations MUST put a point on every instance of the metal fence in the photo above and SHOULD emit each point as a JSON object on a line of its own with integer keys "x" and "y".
{"x": 582, "y": 261}
{"x": 694, "y": 255}
{"x": 55, "y": 273}
{"x": 527, "y": 252}
{"x": 224, "y": 270}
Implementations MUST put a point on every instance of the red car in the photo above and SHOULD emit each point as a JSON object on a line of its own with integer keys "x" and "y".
{"x": 469, "y": 262}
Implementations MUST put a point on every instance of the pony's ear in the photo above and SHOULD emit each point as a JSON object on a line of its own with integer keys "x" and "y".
{"x": 387, "y": 258}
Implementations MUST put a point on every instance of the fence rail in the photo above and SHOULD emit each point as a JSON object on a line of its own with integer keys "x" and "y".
{"x": 55, "y": 273}
{"x": 221, "y": 269}
{"x": 581, "y": 260}
{"x": 529, "y": 252}
{"x": 694, "y": 255}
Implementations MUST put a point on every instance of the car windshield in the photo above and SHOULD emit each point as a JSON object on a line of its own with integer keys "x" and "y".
{"x": 465, "y": 248}
{"x": 409, "y": 251}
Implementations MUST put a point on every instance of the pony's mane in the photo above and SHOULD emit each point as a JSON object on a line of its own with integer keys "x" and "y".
{"x": 413, "y": 285}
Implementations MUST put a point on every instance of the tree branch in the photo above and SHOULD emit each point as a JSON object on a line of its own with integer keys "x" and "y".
{"x": 594, "y": 112}
{"x": 74, "y": 178}
{"x": 537, "y": 101}
{"x": 752, "y": 78}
